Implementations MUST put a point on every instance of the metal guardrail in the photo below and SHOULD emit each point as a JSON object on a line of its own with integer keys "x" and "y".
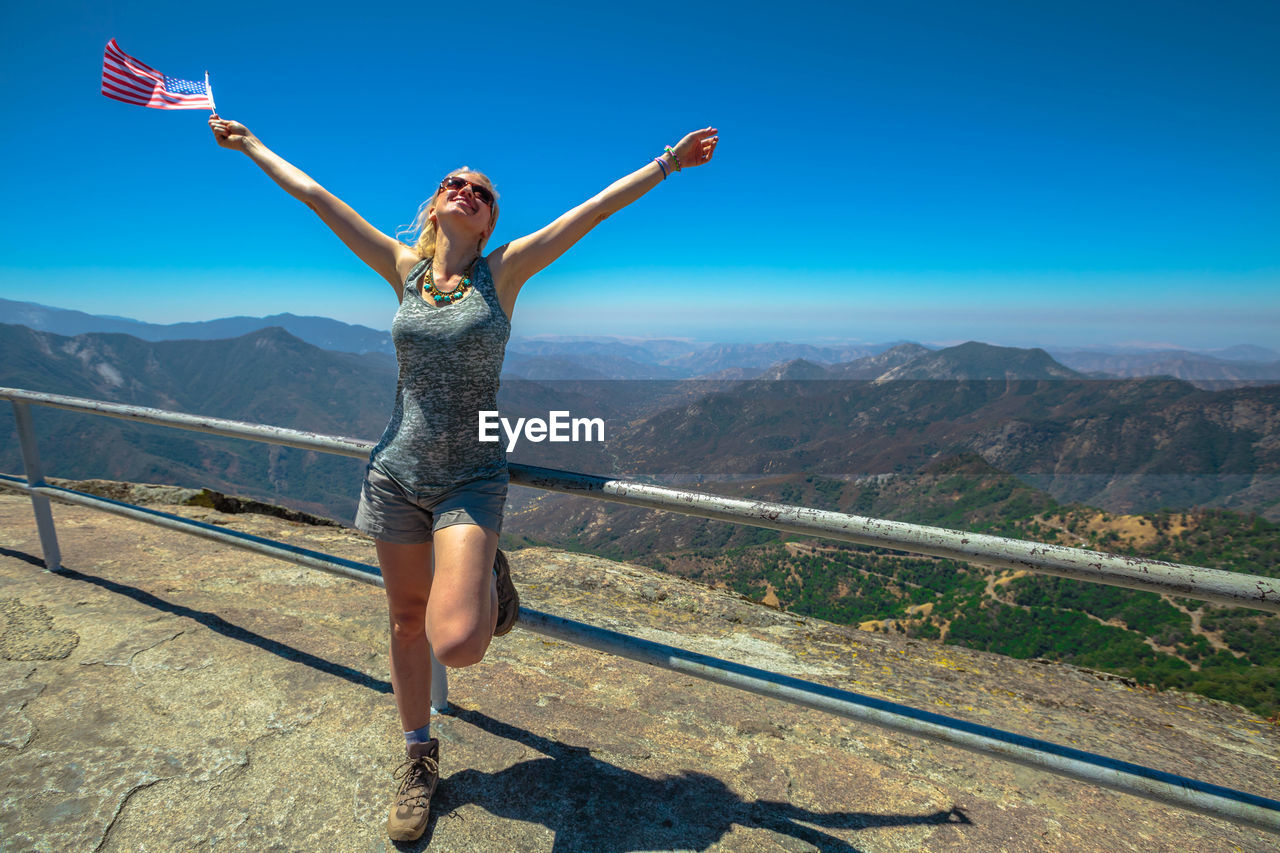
{"x": 1190, "y": 581}
{"x": 1221, "y": 587}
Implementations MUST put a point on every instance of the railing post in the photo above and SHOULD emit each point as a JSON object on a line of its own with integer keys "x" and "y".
{"x": 439, "y": 687}
{"x": 35, "y": 477}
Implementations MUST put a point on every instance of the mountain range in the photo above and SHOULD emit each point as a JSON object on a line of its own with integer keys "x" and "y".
{"x": 322, "y": 332}
{"x": 975, "y": 437}
{"x": 1238, "y": 365}
{"x": 612, "y": 358}
{"x": 1125, "y": 445}
{"x": 268, "y": 376}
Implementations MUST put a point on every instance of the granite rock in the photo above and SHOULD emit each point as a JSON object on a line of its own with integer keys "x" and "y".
{"x": 165, "y": 693}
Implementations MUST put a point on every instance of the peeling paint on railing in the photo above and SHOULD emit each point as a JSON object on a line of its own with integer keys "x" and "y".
{"x": 1231, "y": 588}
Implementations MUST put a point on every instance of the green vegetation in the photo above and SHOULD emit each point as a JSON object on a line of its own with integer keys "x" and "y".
{"x": 1232, "y": 654}
{"x": 1218, "y": 538}
{"x": 1168, "y": 642}
{"x": 817, "y": 492}
{"x": 1143, "y": 612}
{"x": 1041, "y": 632}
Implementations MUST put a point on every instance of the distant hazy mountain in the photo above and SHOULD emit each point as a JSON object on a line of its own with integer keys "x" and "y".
{"x": 532, "y": 358}
{"x": 975, "y": 360}
{"x": 604, "y": 358}
{"x": 1239, "y": 352}
{"x": 875, "y": 366}
{"x": 796, "y": 369}
{"x": 721, "y": 356}
{"x": 734, "y": 374}
{"x": 267, "y": 376}
{"x": 1243, "y": 365}
{"x": 1115, "y": 443}
{"x": 599, "y": 365}
{"x": 666, "y": 359}
{"x": 317, "y": 331}
{"x": 654, "y": 351}
{"x": 869, "y": 367}
{"x": 1120, "y": 444}
{"x": 1245, "y": 352}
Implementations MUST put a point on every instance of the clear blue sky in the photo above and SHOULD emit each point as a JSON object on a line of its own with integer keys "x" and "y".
{"x": 1054, "y": 173}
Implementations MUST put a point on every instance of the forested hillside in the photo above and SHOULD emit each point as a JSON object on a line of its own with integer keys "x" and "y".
{"x": 1225, "y": 653}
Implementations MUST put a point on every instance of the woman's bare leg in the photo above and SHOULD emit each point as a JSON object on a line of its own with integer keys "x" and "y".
{"x": 406, "y": 575}
{"x": 463, "y": 607}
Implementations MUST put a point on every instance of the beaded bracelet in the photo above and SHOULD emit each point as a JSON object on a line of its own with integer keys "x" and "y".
{"x": 662, "y": 166}
{"x": 672, "y": 152}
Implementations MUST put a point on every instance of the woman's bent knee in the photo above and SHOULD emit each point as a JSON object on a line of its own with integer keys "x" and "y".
{"x": 456, "y": 649}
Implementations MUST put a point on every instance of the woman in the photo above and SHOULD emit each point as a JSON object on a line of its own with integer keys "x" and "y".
{"x": 433, "y": 494}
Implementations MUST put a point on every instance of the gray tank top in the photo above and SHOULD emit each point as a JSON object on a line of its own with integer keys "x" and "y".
{"x": 450, "y": 357}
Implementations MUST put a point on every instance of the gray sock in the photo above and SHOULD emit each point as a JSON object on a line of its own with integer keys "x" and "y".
{"x": 421, "y": 735}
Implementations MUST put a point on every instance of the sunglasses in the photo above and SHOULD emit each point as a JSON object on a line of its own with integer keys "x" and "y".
{"x": 457, "y": 182}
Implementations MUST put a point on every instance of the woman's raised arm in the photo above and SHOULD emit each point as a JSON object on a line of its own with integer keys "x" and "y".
{"x": 517, "y": 261}
{"x": 382, "y": 253}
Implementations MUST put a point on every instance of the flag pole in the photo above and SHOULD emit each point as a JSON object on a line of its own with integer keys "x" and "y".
{"x": 212, "y": 106}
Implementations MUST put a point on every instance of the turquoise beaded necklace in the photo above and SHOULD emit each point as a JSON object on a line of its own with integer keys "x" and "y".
{"x": 454, "y": 295}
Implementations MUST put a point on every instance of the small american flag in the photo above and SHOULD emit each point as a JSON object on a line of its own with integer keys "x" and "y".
{"x": 126, "y": 79}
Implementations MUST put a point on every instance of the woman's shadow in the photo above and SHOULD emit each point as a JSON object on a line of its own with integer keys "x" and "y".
{"x": 589, "y": 804}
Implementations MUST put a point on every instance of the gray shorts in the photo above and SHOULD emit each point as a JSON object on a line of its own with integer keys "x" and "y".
{"x": 390, "y": 512}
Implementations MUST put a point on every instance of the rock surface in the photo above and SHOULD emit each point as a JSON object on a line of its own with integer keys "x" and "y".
{"x": 166, "y": 693}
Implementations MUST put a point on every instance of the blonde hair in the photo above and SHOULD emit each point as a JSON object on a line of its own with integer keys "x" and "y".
{"x": 421, "y": 233}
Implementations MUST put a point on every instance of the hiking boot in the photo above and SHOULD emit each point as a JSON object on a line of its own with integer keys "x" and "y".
{"x": 508, "y": 599}
{"x": 412, "y": 803}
